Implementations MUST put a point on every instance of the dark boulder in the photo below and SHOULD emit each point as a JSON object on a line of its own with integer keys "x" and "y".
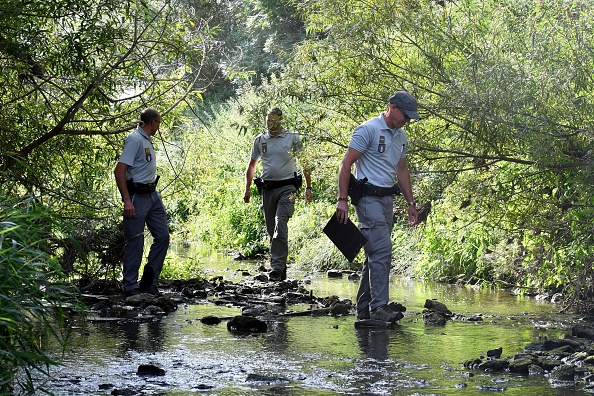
{"x": 583, "y": 331}
{"x": 494, "y": 353}
{"x": 496, "y": 365}
{"x": 434, "y": 318}
{"x": 149, "y": 370}
{"x": 210, "y": 320}
{"x": 246, "y": 324}
{"x": 563, "y": 373}
{"x": 437, "y": 306}
{"x": 521, "y": 363}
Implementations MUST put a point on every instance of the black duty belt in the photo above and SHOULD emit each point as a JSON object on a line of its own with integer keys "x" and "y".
{"x": 141, "y": 188}
{"x": 375, "y": 191}
{"x": 261, "y": 184}
{"x": 272, "y": 184}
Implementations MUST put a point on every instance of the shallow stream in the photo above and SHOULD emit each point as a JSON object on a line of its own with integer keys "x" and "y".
{"x": 306, "y": 355}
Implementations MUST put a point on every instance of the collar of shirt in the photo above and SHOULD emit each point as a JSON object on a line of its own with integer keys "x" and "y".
{"x": 383, "y": 125}
{"x": 282, "y": 133}
{"x": 143, "y": 133}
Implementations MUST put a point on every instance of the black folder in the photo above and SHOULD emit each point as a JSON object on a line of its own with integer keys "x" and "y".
{"x": 347, "y": 237}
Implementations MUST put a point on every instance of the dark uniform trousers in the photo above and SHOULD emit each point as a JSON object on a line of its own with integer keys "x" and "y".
{"x": 278, "y": 205}
{"x": 375, "y": 216}
{"x": 149, "y": 210}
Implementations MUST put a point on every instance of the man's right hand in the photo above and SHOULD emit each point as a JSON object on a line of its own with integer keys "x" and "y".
{"x": 342, "y": 212}
{"x": 129, "y": 210}
{"x": 246, "y": 196}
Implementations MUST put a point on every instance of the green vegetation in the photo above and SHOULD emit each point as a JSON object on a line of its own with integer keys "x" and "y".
{"x": 503, "y": 154}
{"x": 34, "y": 297}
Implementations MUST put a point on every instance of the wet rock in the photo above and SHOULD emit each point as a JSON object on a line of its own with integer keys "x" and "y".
{"x": 534, "y": 370}
{"x": 491, "y": 388}
{"x": 189, "y": 293}
{"x": 144, "y": 300}
{"x": 521, "y": 363}
{"x": 496, "y": 365}
{"x": 334, "y": 274}
{"x": 149, "y": 370}
{"x": 548, "y": 363}
{"x": 124, "y": 392}
{"x": 339, "y": 309}
{"x": 437, "y": 306}
{"x": 246, "y": 324}
{"x": 583, "y": 331}
{"x": 562, "y": 352}
{"x": 534, "y": 347}
{"x": 476, "y": 318}
{"x": 494, "y": 353}
{"x": 354, "y": 276}
{"x": 576, "y": 358}
{"x": 561, "y": 342}
{"x": 589, "y": 360}
{"x": 434, "y": 318}
{"x": 245, "y": 290}
{"x": 563, "y": 373}
{"x": 210, "y": 320}
{"x": 472, "y": 364}
{"x": 153, "y": 310}
{"x": 329, "y": 301}
{"x": 589, "y": 378}
{"x": 203, "y": 387}
{"x": 265, "y": 378}
{"x": 100, "y": 305}
{"x": 258, "y": 310}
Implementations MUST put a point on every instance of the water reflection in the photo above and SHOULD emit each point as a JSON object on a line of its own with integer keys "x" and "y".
{"x": 142, "y": 336}
{"x": 374, "y": 342}
{"x": 278, "y": 335}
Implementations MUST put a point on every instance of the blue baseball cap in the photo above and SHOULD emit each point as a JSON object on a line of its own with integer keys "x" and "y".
{"x": 407, "y": 103}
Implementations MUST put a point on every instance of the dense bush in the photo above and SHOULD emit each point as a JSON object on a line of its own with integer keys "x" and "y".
{"x": 33, "y": 292}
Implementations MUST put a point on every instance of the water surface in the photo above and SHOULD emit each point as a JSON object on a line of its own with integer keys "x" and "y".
{"x": 315, "y": 355}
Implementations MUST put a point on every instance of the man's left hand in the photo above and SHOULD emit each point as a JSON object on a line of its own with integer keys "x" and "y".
{"x": 308, "y": 195}
{"x": 413, "y": 216}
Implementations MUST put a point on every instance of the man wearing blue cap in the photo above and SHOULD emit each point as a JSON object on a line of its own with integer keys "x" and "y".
{"x": 378, "y": 151}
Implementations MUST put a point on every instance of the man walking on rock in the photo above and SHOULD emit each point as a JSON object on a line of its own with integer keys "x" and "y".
{"x": 378, "y": 151}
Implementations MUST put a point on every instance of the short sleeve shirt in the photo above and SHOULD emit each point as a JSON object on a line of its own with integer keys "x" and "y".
{"x": 277, "y": 154}
{"x": 381, "y": 148}
{"x": 139, "y": 155}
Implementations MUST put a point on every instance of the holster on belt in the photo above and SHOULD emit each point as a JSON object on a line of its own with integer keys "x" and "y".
{"x": 141, "y": 188}
{"x": 360, "y": 188}
{"x": 261, "y": 184}
{"x": 356, "y": 189}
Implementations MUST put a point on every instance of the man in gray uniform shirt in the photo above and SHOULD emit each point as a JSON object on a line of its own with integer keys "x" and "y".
{"x": 378, "y": 151}
{"x": 136, "y": 177}
{"x": 276, "y": 148}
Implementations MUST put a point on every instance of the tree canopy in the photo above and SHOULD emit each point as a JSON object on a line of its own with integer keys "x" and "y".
{"x": 502, "y": 154}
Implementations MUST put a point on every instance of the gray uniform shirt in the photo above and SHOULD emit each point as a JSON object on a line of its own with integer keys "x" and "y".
{"x": 140, "y": 157}
{"x": 381, "y": 148}
{"x": 277, "y": 154}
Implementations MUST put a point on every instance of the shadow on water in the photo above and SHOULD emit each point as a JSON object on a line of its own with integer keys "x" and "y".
{"x": 313, "y": 355}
